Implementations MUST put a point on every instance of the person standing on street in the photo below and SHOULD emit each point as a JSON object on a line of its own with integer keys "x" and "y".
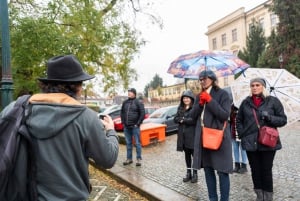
{"x": 269, "y": 111}
{"x": 132, "y": 116}
{"x": 212, "y": 109}
{"x": 186, "y": 133}
{"x": 240, "y": 155}
{"x": 66, "y": 133}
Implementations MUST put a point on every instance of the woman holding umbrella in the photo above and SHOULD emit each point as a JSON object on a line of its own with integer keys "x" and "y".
{"x": 267, "y": 110}
{"x": 212, "y": 108}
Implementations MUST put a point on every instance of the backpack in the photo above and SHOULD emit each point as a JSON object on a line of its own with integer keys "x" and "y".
{"x": 17, "y": 168}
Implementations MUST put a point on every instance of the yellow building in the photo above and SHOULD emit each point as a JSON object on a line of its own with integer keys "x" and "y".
{"x": 230, "y": 32}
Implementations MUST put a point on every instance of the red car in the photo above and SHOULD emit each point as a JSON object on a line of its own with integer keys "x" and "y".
{"x": 118, "y": 122}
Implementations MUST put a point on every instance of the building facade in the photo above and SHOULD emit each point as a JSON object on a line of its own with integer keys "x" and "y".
{"x": 230, "y": 32}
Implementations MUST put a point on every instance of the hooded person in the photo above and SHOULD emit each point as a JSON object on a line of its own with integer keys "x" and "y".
{"x": 66, "y": 133}
{"x": 186, "y": 133}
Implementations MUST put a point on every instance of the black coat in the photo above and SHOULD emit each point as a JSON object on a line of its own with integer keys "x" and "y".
{"x": 186, "y": 129}
{"x": 246, "y": 125}
{"x": 217, "y": 112}
{"x": 132, "y": 113}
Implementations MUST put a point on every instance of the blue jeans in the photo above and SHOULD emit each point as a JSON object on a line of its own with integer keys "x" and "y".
{"x": 239, "y": 151}
{"x": 129, "y": 133}
{"x": 211, "y": 183}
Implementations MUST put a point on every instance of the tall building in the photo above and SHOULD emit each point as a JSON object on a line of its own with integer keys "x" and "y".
{"x": 230, "y": 32}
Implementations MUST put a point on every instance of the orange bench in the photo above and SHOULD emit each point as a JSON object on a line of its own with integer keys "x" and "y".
{"x": 152, "y": 132}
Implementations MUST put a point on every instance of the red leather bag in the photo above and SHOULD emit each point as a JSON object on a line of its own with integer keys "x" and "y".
{"x": 268, "y": 136}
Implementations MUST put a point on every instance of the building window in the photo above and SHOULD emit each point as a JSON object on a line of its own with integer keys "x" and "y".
{"x": 214, "y": 43}
{"x": 234, "y": 35}
{"x": 261, "y": 23}
{"x": 273, "y": 18}
{"x": 224, "y": 40}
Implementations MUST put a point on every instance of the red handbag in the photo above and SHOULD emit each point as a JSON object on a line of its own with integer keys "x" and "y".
{"x": 267, "y": 136}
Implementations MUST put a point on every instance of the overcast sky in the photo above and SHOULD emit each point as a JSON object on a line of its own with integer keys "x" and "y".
{"x": 185, "y": 25}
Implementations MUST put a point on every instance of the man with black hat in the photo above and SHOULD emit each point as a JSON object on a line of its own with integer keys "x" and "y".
{"x": 66, "y": 133}
{"x": 132, "y": 116}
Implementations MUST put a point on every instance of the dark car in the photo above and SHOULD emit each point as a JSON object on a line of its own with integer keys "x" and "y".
{"x": 115, "y": 113}
{"x": 164, "y": 115}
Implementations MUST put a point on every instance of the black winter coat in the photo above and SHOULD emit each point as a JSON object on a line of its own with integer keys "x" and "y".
{"x": 217, "y": 112}
{"x": 186, "y": 129}
{"x": 246, "y": 125}
{"x": 132, "y": 113}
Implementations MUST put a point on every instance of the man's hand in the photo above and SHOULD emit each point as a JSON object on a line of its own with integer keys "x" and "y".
{"x": 108, "y": 122}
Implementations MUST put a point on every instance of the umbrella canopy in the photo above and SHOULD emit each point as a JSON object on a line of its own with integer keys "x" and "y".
{"x": 279, "y": 82}
{"x": 222, "y": 63}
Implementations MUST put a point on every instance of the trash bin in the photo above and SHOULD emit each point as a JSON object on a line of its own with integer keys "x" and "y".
{"x": 152, "y": 132}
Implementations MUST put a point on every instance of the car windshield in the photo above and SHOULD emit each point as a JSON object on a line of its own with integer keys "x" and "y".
{"x": 159, "y": 113}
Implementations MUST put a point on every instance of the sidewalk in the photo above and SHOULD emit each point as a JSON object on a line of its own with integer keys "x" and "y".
{"x": 162, "y": 170}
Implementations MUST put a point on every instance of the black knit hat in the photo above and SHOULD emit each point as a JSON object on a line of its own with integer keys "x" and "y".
{"x": 65, "y": 68}
{"x": 133, "y": 90}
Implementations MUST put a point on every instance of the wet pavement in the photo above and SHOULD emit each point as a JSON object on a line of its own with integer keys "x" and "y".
{"x": 162, "y": 170}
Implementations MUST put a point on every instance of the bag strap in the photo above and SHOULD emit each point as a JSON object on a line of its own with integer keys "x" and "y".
{"x": 202, "y": 122}
{"x": 254, "y": 113}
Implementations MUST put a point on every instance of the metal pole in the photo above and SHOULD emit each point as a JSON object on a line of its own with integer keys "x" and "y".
{"x": 6, "y": 81}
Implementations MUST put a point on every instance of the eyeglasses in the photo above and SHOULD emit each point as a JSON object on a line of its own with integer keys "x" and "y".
{"x": 202, "y": 79}
{"x": 255, "y": 85}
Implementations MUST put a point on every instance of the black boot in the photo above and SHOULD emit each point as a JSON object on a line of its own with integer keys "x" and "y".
{"x": 237, "y": 167}
{"x": 194, "y": 177}
{"x": 243, "y": 168}
{"x": 188, "y": 176}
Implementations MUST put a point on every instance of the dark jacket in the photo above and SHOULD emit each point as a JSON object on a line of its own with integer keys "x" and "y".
{"x": 246, "y": 125}
{"x": 132, "y": 113}
{"x": 66, "y": 135}
{"x": 217, "y": 112}
{"x": 186, "y": 129}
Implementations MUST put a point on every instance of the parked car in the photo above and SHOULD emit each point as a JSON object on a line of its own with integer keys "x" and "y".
{"x": 149, "y": 110}
{"x": 164, "y": 115}
{"x": 115, "y": 113}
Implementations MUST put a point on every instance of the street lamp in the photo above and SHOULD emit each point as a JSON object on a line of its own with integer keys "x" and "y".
{"x": 6, "y": 81}
{"x": 280, "y": 59}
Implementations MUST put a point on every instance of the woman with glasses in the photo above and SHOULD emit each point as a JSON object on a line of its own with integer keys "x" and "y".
{"x": 212, "y": 109}
{"x": 268, "y": 111}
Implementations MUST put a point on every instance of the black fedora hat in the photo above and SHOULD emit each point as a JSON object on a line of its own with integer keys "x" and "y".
{"x": 65, "y": 68}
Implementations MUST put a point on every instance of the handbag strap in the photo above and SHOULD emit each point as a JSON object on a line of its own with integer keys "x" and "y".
{"x": 224, "y": 125}
{"x": 254, "y": 113}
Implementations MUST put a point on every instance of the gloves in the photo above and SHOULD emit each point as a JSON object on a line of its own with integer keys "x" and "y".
{"x": 265, "y": 116}
{"x": 204, "y": 97}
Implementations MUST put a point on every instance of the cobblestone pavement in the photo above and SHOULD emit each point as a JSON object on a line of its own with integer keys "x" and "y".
{"x": 164, "y": 165}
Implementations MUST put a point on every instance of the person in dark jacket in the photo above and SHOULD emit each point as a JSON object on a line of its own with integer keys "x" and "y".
{"x": 270, "y": 112}
{"x": 186, "y": 133}
{"x": 212, "y": 109}
{"x": 66, "y": 133}
{"x": 132, "y": 116}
